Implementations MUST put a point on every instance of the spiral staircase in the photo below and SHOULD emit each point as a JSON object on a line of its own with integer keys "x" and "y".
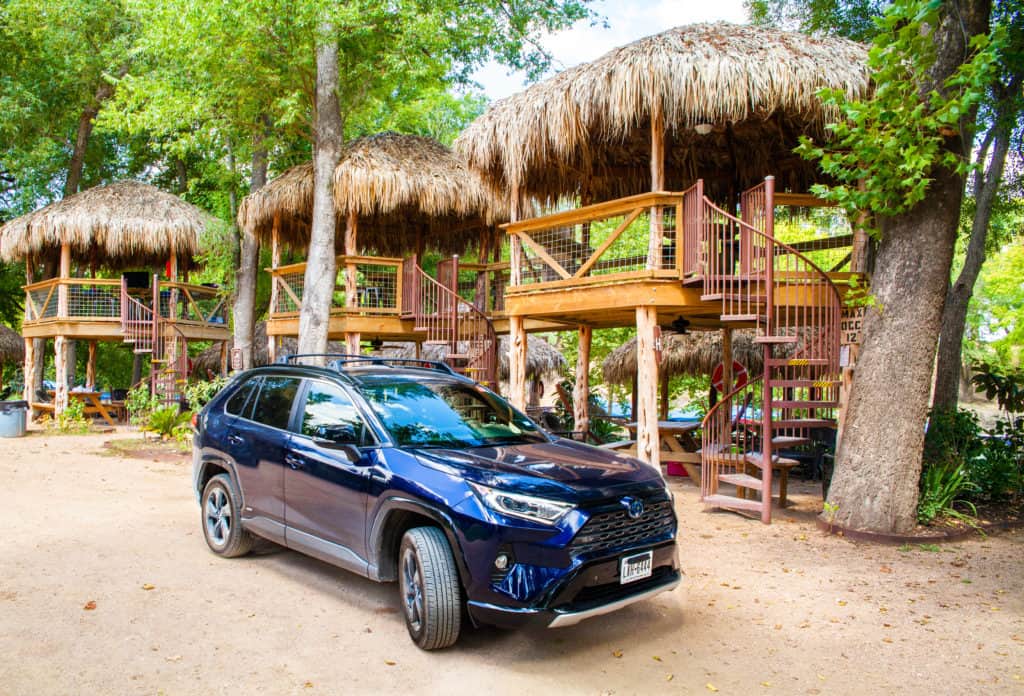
{"x": 148, "y": 331}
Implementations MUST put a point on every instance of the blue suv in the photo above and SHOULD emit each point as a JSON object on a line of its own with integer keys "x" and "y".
{"x": 402, "y": 470}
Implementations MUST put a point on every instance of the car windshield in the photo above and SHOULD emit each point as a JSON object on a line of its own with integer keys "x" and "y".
{"x": 445, "y": 414}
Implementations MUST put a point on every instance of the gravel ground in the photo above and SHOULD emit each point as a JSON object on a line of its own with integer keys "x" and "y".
{"x": 107, "y": 587}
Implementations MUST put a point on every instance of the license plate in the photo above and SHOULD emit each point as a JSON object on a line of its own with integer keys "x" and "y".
{"x": 635, "y": 567}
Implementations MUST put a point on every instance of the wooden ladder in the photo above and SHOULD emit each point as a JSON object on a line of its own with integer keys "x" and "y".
{"x": 795, "y": 310}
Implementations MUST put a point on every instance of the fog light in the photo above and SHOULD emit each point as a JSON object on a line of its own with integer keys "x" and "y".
{"x": 501, "y": 561}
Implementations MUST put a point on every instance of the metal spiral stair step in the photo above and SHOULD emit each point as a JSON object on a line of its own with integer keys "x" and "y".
{"x": 742, "y": 481}
{"x": 732, "y": 502}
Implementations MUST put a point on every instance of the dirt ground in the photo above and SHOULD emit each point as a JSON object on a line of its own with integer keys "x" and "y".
{"x": 106, "y": 587}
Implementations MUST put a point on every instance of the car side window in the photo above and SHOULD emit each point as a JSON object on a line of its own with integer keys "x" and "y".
{"x": 330, "y": 414}
{"x": 273, "y": 405}
{"x": 236, "y": 405}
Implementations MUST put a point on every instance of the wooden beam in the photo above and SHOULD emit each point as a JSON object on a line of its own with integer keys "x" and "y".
{"x": 647, "y": 440}
{"x": 581, "y": 391}
{"x": 65, "y": 272}
{"x": 802, "y": 200}
{"x": 60, "y": 365}
{"x": 515, "y": 244}
{"x": 589, "y": 263}
{"x": 541, "y": 252}
{"x": 351, "y": 249}
{"x": 90, "y": 368}
{"x": 517, "y": 363}
{"x": 590, "y": 213}
{"x": 663, "y": 410}
{"x": 657, "y": 184}
{"x": 28, "y": 392}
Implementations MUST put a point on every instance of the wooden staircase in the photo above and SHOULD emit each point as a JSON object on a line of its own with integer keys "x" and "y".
{"x": 148, "y": 332}
{"x": 795, "y": 309}
{"x": 467, "y": 336}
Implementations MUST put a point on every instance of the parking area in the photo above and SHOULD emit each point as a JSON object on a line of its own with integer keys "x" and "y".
{"x": 106, "y": 586}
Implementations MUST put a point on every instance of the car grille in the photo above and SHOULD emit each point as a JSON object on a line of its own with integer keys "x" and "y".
{"x": 616, "y": 529}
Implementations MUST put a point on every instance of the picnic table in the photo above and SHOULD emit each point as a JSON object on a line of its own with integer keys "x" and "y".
{"x": 677, "y": 444}
{"x": 93, "y": 405}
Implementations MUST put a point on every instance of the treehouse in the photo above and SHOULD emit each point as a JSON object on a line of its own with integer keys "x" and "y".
{"x": 397, "y": 197}
{"x": 112, "y": 264}
{"x": 669, "y": 159}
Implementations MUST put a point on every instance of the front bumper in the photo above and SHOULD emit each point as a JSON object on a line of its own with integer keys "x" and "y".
{"x": 592, "y": 590}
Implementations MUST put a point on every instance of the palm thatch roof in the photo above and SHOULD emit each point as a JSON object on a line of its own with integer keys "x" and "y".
{"x": 692, "y": 354}
{"x": 587, "y": 130}
{"x": 398, "y": 185}
{"x": 12, "y": 347}
{"x": 542, "y": 358}
{"x": 119, "y": 225}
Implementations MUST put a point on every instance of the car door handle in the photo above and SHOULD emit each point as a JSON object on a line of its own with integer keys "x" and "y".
{"x": 293, "y": 462}
{"x": 236, "y": 439}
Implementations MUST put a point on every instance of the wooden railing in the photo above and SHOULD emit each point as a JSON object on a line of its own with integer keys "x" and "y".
{"x": 629, "y": 236}
{"x": 483, "y": 285}
{"x": 364, "y": 285}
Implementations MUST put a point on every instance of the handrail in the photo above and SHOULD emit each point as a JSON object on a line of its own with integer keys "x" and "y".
{"x": 40, "y": 284}
{"x": 596, "y": 210}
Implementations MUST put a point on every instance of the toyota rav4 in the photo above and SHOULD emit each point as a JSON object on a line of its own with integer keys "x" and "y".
{"x": 402, "y": 470}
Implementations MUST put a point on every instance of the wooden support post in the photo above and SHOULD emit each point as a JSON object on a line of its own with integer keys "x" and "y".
{"x": 517, "y": 362}
{"x": 65, "y": 272}
{"x": 90, "y": 368}
{"x": 224, "y": 359}
{"x": 60, "y": 364}
{"x": 275, "y": 262}
{"x": 647, "y": 437}
{"x": 657, "y": 184}
{"x": 581, "y": 392}
{"x": 663, "y": 411}
{"x": 515, "y": 244}
{"x": 351, "y": 278}
{"x": 29, "y": 391}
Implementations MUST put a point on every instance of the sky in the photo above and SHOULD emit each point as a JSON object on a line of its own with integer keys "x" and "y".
{"x": 627, "y": 21}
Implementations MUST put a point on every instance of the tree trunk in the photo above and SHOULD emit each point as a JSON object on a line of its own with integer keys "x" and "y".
{"x": 85, "y": 125}
{"x": 878, "y": 463}
{"x": 244, "y": 311}
{"x": 958, "y": 297}
{"x": 320, "y": 262}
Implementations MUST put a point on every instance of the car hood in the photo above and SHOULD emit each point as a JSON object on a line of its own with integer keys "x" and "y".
{"x": 561, "y": 469}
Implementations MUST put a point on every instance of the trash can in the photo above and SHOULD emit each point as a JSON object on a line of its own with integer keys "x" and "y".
{"x": 12, "y": 418}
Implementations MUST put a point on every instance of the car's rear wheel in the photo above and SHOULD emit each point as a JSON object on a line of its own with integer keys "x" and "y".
{"x": 222, "y": 520}
{"x": 429, "y": 585}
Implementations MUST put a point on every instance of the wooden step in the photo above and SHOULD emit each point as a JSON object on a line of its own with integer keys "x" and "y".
{"x": 692, "y": 280}
{"x": 757, "y": 459}
{"x": 731, "y": 297}
{"x": 803, "y": 383}
{"x": 731, "y": 502}
{"x": 742, "y": 481}
{"x": 743, "y": 317}
{"x": 800, "y": 403}
{"x": 789, "y": 441}
{"x": 776, "y": 339}
{"x": 796, "y": 362}
{"x": 436, "y": 342}
{"x": 793, "y": 423}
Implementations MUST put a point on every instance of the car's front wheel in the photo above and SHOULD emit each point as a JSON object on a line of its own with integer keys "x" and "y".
{"x": 429, "y": 585}
{"x": 222, "y": 520}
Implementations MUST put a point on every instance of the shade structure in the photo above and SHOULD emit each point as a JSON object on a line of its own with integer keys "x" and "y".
{"x": 119, "y": 225}
{"x": 12, "y": 346}
{"x": 733, "y": 100}
{"x": 542, "y": 358}
{"x": 401, "y": 187}
{"x": 693, "y": 354}
{"x": 207, "y": 363}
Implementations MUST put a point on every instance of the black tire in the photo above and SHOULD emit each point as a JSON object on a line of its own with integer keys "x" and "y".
{"x": 221, "y": 518}
{"x": 428, "y": 583}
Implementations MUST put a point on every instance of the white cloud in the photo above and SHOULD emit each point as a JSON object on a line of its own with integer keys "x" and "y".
{"x": 628, "y": 20}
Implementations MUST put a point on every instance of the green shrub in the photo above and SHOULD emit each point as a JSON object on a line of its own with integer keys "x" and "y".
{"x": 166, "y": 420}
{"x": 953, "y": 438}
{"x": 73, "y": 419}
{"x": 998, "y": 470}
{"x": 140, "y": 403}
{"x": 199, "y": 393}
{"x": 942, "y": 488}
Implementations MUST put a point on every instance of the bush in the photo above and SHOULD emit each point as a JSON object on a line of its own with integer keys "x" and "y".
{"x": 941, "y": 490}
{"x": 166, "y": 421}
{"x": 140, "y": 403}
{"x": 199, "y": 393}
{"x": 73, "y": 419}
{"x": 998, "y": 470}
{"x": 953, "y": 438}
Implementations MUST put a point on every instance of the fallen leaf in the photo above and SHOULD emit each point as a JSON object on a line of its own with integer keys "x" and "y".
{"x": 884, "y": 569}
{"x": 821, "y": 677}
{"x": 308, "y": 685}
{"x": 390, "y": 663}
{"x": 147, "y": 586}
{"x": 710, "y": 687}
{"x": 616, "y": 653}
{"x": 90, "y": 605}
{"x": 842, "y": 602}
{"x": 655, "y": 657}
{"x": 175, "y": 658}
{"x": 669, "y": 677}
{"x": 778, "y": 627}
{"x": 887, "y": 640}
{"x": 766, "y": 684}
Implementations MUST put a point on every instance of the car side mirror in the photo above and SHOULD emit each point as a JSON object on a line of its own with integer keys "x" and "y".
{"x": 350, "y": 451}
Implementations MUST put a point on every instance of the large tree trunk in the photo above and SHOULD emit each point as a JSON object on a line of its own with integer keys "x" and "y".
{"x": 248, "y": 262}
{"x": 85, "y": 125}
{"x": 878, "y": 463}
{"x": 958, "y": 297}
{"x": 320, "y": 261}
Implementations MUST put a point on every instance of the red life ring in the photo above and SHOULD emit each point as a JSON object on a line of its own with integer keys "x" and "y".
{"x": 739, "y": 376}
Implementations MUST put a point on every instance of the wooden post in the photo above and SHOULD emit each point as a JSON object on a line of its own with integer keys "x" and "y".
{"x": 351, "y": 279}
{"x": 65, "y": 272}
{"x": 663, "y": 411}
{"x": 581, "y": 392}
{"x": 223, "y": 358}
{"x": 515, "y": 244}
{"x": 657, "y": 184}
{"x": 29, "y": 390}
{"x": 90, "y": 368}
{"x": 647, "y": 437}
{"x": 60, "y": 364}
{"x": 275, "y": 262}
{"x": 517, "y": 362}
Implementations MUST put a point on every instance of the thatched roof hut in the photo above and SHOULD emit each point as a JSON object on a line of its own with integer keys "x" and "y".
{"x": 119, "y": 225}
{"x": 692, "y": 354}
{"x": 12, "y": 347}
{"x": 400, "y": 186}
{"x": 542, "y": 358}
{"x": 734, "y": 100}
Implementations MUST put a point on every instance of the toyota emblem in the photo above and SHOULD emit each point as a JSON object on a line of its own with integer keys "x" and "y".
{"x": 634, "y": 507}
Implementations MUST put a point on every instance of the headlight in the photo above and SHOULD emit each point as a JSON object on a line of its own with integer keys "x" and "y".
{"x": 526, "y": 507}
